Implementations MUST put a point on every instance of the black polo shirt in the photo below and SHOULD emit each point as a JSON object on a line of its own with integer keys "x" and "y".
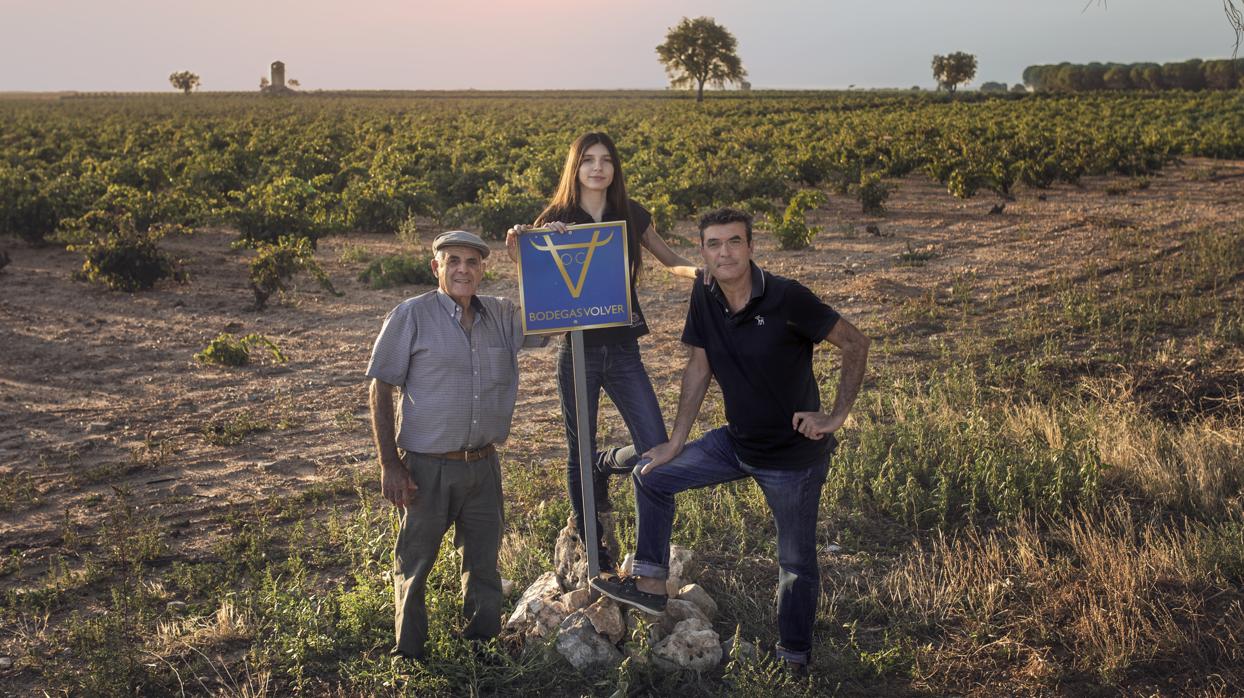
{"x": 762, "y": 359}
{"x": 636, "y": 223}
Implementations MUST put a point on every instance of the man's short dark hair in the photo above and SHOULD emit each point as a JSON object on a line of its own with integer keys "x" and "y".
{"x": 724, "y": 215}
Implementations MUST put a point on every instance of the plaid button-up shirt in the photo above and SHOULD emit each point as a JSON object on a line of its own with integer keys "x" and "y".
{"x": 458, "y": 388}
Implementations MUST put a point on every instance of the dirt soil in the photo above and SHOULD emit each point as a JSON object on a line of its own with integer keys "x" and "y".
{"x": 100, "y": 391}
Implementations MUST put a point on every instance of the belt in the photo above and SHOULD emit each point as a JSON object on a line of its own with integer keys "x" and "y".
{"x": 467, "y": 456}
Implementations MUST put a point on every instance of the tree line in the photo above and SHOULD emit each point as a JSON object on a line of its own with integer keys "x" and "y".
{"x": 1195, "y": 74}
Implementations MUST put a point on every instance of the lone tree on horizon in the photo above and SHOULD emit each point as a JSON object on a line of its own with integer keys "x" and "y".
{"x": 953, "y": 70}
{"x": 184, "y": 80}
{"x": 699, "y": 51}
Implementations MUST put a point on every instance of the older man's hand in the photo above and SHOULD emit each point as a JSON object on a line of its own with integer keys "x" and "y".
{"x": 397, "y": 485}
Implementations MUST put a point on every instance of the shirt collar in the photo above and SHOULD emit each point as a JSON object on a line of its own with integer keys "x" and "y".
{"x": 758, "y": 289}
{"x": 451, "y": 306}
{"x": 582, "y": 216}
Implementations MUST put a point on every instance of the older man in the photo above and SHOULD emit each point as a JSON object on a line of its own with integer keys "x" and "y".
{"x": 754, "y": 332}
{"x": 453, "y": 356}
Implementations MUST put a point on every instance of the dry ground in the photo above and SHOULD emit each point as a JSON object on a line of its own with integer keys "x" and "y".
{"x": 99, "y": 391}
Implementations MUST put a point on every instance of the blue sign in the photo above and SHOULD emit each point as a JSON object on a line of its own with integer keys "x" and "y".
{"x": 574, "y": 281}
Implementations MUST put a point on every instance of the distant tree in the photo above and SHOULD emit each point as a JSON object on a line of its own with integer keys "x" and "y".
{"x": 184, "y": 80}
{"x": 954, "y": 69}
{"x": 700, "y": 51}
{"x": 293, "y": 83}
{"x": 993, "y": 87}
{"x": 1019, "y": 89}
{"x": 1117, "y": 77}
{"x": 264, "y": 82}
{"x": 1150, "y": 77}
{"x": 1219, "y": 75}
{"x": 1094, "y": 77}
{"x": 1069, "y": 78}
{"x": 1185, "y": 75}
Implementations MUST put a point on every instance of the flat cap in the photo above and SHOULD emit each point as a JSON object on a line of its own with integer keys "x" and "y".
{"x": 460, "y": 237}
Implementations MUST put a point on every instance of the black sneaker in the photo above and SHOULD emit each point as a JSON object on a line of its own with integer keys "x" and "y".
{"x": 624, "y": 590}
{"x": 616, "y": 461}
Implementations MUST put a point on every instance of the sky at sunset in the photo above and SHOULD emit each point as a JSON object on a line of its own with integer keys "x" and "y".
{"x": 124, "y": 45}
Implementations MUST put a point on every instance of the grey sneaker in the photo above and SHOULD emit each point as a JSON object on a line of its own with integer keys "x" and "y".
{"x": 624, "y": 590}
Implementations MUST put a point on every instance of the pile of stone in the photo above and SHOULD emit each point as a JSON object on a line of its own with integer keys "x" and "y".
{"x": 591, "y": 634}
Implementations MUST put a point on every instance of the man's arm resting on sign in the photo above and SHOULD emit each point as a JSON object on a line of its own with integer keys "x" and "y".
{"x": 854, "y": 347}
{"x": 695, "y": 380}
{"x": 395, "y": 482}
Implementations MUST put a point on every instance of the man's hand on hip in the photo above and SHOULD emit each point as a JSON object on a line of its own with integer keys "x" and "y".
{"x": 397, "y": 485}
{"x": 815, "y": 425}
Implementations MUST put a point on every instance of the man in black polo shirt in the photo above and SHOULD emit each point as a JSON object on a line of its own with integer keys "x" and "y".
{"x": 754, "y": 332}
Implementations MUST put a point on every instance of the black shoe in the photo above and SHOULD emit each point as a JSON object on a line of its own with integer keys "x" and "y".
{"x": 624, "y": 590}
{"x": 616, "y": 461}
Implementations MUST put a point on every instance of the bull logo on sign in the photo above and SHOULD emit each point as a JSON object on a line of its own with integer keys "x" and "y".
{"x": 563, "y": 256}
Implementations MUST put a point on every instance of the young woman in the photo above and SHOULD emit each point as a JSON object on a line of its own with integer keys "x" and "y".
{"x": 593, "y": 190}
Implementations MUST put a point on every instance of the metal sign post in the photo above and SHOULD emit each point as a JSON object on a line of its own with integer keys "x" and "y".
{"x": 573, "y": 282}
{"x": 586, "y": 471}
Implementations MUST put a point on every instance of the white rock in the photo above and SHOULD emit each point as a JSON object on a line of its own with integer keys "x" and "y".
{"x": 606, "y": 618}
{"x": 582, "y": 646}
{"x": 696, "y": 595}
{"x": 507, "y": 587}
{"x": 537, "y": 611}
{"x": 6, "y": 663}
{"x": 831, "y": 548}
{"x": 692, "y": 645}
{"x": 678, "y": 610}
{"x": 680, "y": 558}
{"x": 575, "y": 599}
{"x": 627, "y": 563}
{"x": 569, "y": 560}
{"x": 176, "y": 606}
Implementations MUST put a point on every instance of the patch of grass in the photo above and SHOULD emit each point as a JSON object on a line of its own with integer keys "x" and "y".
{"x": 231, "y": 430}
{"x": 1103, "y": 595}
{"x": 354, "y": 254}
{"x": 18, "y": 490}
{"x": 399, "y": 270}
{"x": 228, "y": 350}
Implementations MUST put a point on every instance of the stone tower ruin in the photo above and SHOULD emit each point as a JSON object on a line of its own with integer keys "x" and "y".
{"x": 278, "y": 75}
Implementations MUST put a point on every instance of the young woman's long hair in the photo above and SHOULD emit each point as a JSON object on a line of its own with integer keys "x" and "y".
{"x": 566, "y": 198}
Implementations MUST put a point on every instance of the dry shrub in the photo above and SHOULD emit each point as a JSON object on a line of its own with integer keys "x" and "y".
{"x": 1197, "y": 467}
{"x": 226, "y": 625}
{"x": 1094, "y": 595}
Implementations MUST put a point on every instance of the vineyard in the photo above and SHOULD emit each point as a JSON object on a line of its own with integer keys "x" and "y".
{"x": 1039, "y": 491}
{"x": 313, "y": 166}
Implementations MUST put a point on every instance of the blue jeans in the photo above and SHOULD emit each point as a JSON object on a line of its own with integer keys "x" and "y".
{"x": 619, "y": 370}
{"x": 793, "y": 496}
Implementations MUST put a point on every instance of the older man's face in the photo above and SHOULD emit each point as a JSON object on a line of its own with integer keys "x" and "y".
{"x": 459, "y": 269}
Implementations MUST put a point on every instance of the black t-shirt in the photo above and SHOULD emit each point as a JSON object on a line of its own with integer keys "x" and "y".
{"x": 762, "y": 359}
{"x": 636, "y": 223}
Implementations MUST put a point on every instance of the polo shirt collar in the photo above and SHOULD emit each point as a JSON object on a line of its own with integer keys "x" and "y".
{"x": 758, "y": 289}
{"x": 581, "y": 216}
